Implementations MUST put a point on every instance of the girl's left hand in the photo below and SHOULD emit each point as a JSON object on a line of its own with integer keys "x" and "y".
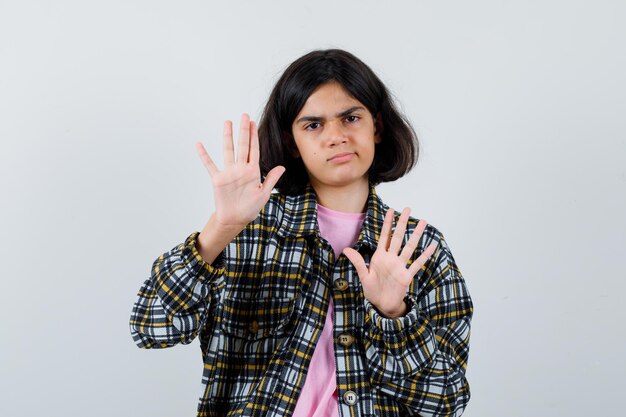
{"x": 387, "y": 279}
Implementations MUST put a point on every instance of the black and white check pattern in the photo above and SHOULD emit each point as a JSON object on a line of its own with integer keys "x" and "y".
{"x": 259, "y": 310}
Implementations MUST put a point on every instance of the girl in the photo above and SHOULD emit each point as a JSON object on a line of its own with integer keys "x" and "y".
{"x": 309, "y": 302}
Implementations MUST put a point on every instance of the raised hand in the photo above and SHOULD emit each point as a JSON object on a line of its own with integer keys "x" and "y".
{"x": 238, "y": 191}
{"x": 387, "y": 279}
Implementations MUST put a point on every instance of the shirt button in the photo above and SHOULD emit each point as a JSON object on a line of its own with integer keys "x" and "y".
{"x": 346, "y": 339}
{"x": 341, "y": 284}
{"x": 254, "y": 327}
{"x": 350, "y": 397}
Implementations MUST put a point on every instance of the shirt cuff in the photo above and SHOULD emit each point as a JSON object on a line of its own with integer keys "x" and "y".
{"x": 394, "y": 328}
{"x": 195, "y": 264}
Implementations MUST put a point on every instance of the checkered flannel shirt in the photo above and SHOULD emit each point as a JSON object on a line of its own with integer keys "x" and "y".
{"x": 259, "y": 310}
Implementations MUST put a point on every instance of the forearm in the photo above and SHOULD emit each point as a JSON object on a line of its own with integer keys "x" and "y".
{"x": 214, "y": 238}
{"x": 172, "y": 304}
{"x": 440, "y": 389}
{"x": 418, "y": 365}
{"x": 397, "y": 348}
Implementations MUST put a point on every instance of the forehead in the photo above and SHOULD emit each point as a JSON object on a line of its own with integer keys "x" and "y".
{"x": 328, "y": 98}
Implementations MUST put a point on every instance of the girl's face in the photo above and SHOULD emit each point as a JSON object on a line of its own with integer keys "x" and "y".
{"x": 335, "y": 136}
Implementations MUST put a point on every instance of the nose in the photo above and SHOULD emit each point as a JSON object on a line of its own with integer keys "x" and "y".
{"x": 335, "y": 133}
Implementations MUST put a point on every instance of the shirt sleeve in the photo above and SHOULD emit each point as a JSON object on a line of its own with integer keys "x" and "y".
{"x": 420, "y": 359}
{"x": 173, "y": 302}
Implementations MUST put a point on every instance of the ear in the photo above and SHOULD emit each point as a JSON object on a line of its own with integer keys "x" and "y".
{"x": 378, "y": 128}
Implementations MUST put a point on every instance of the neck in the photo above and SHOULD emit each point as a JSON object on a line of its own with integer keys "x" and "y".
{"x": 350, "y": 198}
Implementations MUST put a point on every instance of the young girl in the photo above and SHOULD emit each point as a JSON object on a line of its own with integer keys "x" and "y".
{"x": 310, "y": 302}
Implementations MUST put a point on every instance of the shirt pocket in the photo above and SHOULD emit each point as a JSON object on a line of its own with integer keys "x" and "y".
{"x": 253, "y": 319}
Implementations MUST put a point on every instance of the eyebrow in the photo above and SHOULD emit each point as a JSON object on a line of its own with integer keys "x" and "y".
{"x": 319, "y": 118}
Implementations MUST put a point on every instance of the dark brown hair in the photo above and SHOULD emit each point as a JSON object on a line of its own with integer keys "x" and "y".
{"x": 394, "y": 156}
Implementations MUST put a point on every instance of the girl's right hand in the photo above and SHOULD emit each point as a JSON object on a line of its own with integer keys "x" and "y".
{"x": 238, "y": 191}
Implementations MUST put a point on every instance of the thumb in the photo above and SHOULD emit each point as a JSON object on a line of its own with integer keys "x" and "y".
{"x": 358, "y": 262}
{"x": 272, "y": 178}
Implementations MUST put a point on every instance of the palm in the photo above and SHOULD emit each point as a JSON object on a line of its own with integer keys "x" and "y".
{"x": 238, "y": 191}
{"x": 387, "y": 279}
{"x": 237, "y": 194}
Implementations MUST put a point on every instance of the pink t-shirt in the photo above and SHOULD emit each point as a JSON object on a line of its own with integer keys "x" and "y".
{"x": 319, "y": 394}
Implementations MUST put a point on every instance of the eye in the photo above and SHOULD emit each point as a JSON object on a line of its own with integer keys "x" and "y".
{"x": 352, "y": 118}
{"x": 312, "y": 126}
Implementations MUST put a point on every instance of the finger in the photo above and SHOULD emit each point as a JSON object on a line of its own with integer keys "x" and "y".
{"x": 253, "y": 157}
{"x": 411, "y": 244}
{"x": 398, "y": 234}
{"x": 358, "y": 262}
{"x": 386, "y": 230}
{"x": 244, "y": 139}
{"x": 421, "y": 260}
{"x": 206, "y": 159}
{"x": 229, "y": 151}
{"x": 272, "y": 178}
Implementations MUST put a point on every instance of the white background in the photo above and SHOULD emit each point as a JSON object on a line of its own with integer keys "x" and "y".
{"x": 519, "y": 107}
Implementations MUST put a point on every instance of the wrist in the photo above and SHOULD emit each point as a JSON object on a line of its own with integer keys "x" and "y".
{"x": 220, "y": 231}
{"x": 213, "y": 238}
{"x": 395, "y": 313}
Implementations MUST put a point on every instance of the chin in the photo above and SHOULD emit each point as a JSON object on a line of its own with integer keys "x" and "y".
{"x": 341, "y": 182}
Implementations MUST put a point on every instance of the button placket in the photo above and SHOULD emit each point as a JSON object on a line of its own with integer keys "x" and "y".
{"x": 345, "y": 339}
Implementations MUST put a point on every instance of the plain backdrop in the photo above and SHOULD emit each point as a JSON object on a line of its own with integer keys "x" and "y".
{"x": 519, "y": 107}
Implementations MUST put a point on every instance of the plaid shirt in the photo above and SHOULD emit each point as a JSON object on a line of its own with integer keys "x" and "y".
{"x": 259, "y": 310}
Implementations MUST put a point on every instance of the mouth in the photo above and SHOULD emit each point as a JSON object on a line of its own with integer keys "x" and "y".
{"x": 344, "y": 156}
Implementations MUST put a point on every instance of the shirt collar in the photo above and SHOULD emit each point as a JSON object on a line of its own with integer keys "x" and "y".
{"x": 300, "y": 217}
